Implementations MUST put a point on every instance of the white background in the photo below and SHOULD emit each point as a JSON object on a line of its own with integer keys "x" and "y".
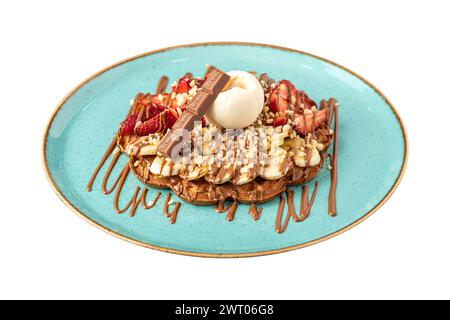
{"x": 47, "y": 48}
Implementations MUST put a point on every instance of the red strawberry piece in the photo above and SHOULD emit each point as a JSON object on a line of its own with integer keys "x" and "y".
{"x": 152, "y": 125}
{"x": 307, "y": 127}
{"x": 143, "y": 101}
{"x": 281, "y": 96}
{"x": 127, "y": 126}
{"x": 159, "y": 123}
{"x": 151, "y": 104}
{"x": 164, "y": 96}
{"x": 306, "y": 101}
{"x": 171, "y": 117}
{"x": 183, "y": 86}
{"x": 279, "y": 121}
{"x": 153, "y": 110}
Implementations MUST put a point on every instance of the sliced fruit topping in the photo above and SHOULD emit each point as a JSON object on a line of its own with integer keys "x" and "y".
{"x": 305, "y": 122}
{"x": 164, "y": 167}
{"x": 183, "y": 86}
{"x": 160, "y": 123}
{"x": 282, "y": 95}
{"x": 181, "y": 90}
{"x": 153, "y": 110}
{"x": 152, "y": 105}
{"x": 279, "y": 121}
{"x": 127, "y": 126}
{"x": 304, "y": 101}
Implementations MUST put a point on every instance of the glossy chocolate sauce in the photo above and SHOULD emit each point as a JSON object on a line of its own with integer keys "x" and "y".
{"x": 334, "y": 166}
{"x": 139, "y": 196}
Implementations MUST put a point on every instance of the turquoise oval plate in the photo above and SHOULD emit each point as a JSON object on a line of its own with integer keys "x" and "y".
{"x": 372, "y": 152}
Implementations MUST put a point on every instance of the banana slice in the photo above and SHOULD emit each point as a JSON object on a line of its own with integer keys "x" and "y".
{"x": 275, "y": 169}
{"x": 222, "y": 175}
{"x": 164, "y": 167}
{"x": 300, "y": 157}
{"x": 246, "y": 174}
{"x": 148, "y": 150}
{"x": 143, "y": 146}
{"x": 294, "y": 142}
{"x": 278, "y": 139}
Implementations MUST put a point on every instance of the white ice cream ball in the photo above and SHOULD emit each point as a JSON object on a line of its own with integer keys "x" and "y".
{"x": 239, "y": 103}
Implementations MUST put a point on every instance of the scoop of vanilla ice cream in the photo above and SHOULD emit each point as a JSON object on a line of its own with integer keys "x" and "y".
{"x": 239, "y": 103}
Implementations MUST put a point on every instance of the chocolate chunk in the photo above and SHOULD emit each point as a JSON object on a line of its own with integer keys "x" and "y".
{"x": 185, "y": 121}
{"x": 200, "y": 103}
{"x": 169, "y": 139}
{"x": 197, "y": 107}
{"x": 216, "y": 79}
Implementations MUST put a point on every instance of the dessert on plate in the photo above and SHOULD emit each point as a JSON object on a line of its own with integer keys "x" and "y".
{"x": 226, "y": 136}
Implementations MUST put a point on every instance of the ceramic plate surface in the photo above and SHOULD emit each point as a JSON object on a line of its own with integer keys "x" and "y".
{"x": 372, "y": 152}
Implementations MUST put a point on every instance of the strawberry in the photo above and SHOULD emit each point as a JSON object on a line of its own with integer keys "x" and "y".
{"x": 279, "y": 121}
{"x": 153, "y": 110}
{"x": 145, "y": 100}
{"x": 306, "y": 101}
{"x": 183, "y": 86}
{"x": 151, "y": 104}
{"x": 159, "y": 123}
{"x": 307, "y": 127}
{"x": 281, "y": 96}
{"x": 127, "y": 126}
{"x": 171, "y": 118}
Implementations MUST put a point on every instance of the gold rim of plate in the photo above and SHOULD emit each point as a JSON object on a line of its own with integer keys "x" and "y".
{"x": 225, "y": 255}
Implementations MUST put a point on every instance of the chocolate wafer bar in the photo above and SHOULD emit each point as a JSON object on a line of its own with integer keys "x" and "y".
{"x": 195, "y": 110}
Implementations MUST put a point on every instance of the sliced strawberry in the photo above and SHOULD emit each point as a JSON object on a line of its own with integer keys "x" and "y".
{"x": 305, "y": 101}
{"x": 279, "y": 121}
{"x": 307, "y": 127}
{"x": 143, "y": 101}
{"x": 171, "y": 118}
{"x": 127, "y": 126}
{"x": 153, "y": 110}
{"x": 183, "y": 86}
{"x": 164, "y": 96}
{"x": 159, "y": 123}
{"x": 152, "y": 105}
{"x": 281, "y": 96}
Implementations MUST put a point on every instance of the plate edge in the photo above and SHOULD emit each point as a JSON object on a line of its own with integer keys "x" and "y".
{"x": 225, "y": 255}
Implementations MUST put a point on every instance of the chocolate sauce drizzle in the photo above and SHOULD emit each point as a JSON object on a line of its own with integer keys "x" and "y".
{"x": 255, "y": 212}
{"x": 334, "y": 166}
{"x": 174, "y": 213}
{"x": 140, "y": 195}
{"x": 305, "y": 208}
